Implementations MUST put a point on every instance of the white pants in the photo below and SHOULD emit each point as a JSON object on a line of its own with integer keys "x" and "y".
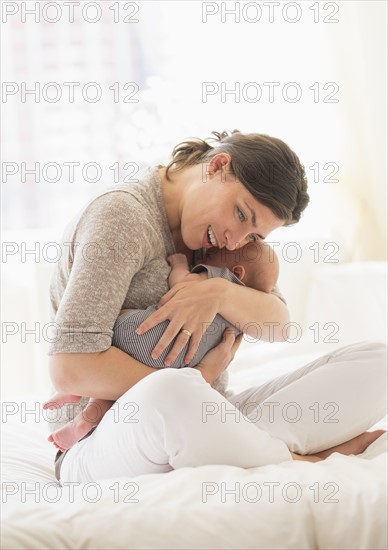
{"x": 173, "y": 418}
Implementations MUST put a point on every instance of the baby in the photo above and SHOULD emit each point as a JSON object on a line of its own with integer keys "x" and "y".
{"x": 255, "y": 265}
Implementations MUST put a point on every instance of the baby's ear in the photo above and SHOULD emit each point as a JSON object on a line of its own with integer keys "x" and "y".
{"x": 239, "y": 271}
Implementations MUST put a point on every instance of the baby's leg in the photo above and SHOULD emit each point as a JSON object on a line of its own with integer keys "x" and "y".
{"x": 66, "y": 437}
{"x": 60, "y": 399}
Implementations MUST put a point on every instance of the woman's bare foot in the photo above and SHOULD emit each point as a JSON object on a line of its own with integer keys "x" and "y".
{"x": 354, "y": 446}
{"x": 60, "y": 399}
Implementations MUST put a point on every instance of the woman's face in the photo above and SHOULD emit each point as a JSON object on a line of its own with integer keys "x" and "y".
{"x": 221, "y": 212}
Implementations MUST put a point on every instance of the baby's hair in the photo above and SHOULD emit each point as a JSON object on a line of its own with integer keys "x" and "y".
{"x": 259, "y": 260}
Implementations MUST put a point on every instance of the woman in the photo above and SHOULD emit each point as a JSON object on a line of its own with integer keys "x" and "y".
{"x": 223, "y": 196}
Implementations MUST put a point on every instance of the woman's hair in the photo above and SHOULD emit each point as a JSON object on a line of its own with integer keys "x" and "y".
{"x": 265, "y": 165}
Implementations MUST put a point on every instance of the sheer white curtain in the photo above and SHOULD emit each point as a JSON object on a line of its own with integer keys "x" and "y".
{"x": 359, "y": 61}
{"x": 37, "y": 129}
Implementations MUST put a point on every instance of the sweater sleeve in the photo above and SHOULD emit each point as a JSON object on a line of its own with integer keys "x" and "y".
{"x": 107, "y": 250}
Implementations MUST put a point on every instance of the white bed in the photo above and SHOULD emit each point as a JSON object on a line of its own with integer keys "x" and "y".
{"x": 339, "y": 503}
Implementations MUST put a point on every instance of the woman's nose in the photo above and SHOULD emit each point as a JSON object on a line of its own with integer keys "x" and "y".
{"x": 234, "y": 239}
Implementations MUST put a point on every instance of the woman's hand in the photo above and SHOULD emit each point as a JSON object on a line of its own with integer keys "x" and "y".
{"x": 217, "y": 359}
{"x": 189, "y": 306}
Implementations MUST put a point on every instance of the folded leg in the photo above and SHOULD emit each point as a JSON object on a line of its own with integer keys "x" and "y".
{"x": 171, "y": 419}
{"x": 331, "y": 400}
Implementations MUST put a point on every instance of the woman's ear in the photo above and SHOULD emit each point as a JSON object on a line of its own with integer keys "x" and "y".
{"x": 239, "y": 271}
{"x": 219, "y": 164}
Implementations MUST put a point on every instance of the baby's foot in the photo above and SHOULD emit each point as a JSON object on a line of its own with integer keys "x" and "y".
{"x": 60, "y": 399}
{"x": 69, "y": 435}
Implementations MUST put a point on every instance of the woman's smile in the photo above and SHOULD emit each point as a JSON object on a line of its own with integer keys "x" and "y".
{"x": 211, "y": 236}
{"x": 209, "y": 239}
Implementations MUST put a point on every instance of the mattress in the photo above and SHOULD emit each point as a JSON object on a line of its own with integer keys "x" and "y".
{"x": 336, "y": 503}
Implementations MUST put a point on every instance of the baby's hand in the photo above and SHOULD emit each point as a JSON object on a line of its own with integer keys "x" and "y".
{"x": 177, "y": 259}
{"x": 179, "y": 269}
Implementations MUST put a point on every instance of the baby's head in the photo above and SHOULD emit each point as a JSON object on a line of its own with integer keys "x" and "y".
{"x": 255, "y": 264}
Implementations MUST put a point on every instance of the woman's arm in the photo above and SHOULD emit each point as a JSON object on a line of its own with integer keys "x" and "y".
{"x": 109, "y": 374}
{"x": 102, "y": 375}
{"x": 89, "y": 288}
{"x": 258, "y": 314}
{"x": 193, "y": 307}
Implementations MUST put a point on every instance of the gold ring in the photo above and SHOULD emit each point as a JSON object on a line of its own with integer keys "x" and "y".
{"x": 187, "y": 332}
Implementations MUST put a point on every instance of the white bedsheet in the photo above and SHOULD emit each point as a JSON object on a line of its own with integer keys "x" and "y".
{"x": 339, "y": 503}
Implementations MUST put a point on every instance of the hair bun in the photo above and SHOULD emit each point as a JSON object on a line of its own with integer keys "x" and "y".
{"x": 220, "y": 136}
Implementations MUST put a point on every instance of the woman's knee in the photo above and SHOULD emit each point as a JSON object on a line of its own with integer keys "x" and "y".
{"x": 368, "y": 358}
{"x": 367, "y": 349}
{"x": 380, "y": 349}
{"x": 379, "y": 357}
{"x": 373, "y": 352}
{"x": 372, "y": 345}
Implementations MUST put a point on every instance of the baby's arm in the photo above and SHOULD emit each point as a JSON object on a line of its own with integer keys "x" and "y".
{"x": 180, "y": 269}
{"x": 180, "y": 272}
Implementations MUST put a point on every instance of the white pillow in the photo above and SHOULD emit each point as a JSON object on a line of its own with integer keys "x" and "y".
{"x": 348, "y": 302}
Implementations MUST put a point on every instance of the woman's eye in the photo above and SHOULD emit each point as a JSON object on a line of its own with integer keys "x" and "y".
{"x": 241, "y": 215}
{"x": 253, "y": 238}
